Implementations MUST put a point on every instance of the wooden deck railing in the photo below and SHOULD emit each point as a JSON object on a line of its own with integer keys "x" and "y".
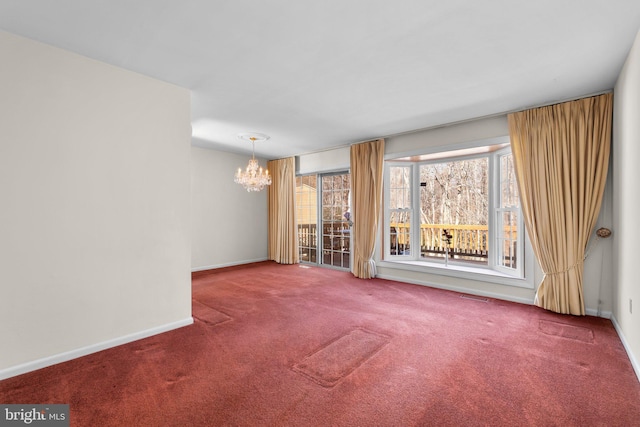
{"x": 467, "y": 241}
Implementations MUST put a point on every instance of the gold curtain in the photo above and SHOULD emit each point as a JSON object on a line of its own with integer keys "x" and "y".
{"x": 366, "y": 204}
{"x": 561, "y": 156}
{"x": 283, "y": 235}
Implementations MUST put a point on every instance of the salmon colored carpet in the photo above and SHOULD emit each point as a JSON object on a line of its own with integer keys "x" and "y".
{"x": 288, "y": 345}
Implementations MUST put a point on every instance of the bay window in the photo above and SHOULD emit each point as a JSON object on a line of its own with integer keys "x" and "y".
{"x": 457, "y": 210}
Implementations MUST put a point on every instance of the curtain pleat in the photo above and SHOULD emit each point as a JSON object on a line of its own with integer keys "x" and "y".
{"x": 561, "y": 155}
{"x": 283, "y": 236}
{"x": 366, "y": 194}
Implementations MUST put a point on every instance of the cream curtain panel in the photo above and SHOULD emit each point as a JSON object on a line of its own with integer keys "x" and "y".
{"x": 561, "y": 156}
{"x": 366, "y": 204}
{"x": 283, "y": 235}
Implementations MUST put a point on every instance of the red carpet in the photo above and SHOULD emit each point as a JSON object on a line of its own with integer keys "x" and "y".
{"x": 278, "y": 345}
{"x": 340, "y": 357}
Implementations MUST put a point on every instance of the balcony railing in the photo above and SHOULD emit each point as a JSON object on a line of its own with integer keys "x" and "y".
{"x": 468, "y": 242}
{"x": 335, "y": 235}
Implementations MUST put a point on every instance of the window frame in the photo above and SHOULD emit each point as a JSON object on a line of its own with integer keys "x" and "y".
{"x": 497, "y": 210}
{"x": 521, "y": 276}
{"x": 387, "y": 211}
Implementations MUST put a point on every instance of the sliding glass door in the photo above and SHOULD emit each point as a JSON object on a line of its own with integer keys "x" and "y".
{"x": 336, "y": 232}
{"x": 323, "y": 215}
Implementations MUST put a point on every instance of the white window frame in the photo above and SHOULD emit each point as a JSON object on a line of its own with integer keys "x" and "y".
{"x": 387, "y": 211}
{"x": 522, "y": 276}
{"x": 497, "y": 210}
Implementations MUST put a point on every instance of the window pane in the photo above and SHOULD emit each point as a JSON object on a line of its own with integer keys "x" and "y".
{"x": 337, "y": 213}
{"x": 506, "y": 225}
{"x": 326, "y": 213}
{"x": 306, "y": 211}
{"x": 508, "y": 184}
{"x": 345, "y": 198}
{"x": 326, "y": 198}
{"x": 508, "y": 218}
{"x": 508, "y": 238}
{"x": 400, "y": 233}
{"x": 454, "y": 196}
{"x": 400, "y": 187}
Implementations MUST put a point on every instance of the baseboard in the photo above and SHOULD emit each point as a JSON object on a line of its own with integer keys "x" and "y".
{"x": 632, "y": 358}
{"x": 228, "y": 264}
{"x": 596, "y": 313}
{"x": 589, "y": 311}
{"x": 94, "y": 348}
{"x": 458, "y": 289}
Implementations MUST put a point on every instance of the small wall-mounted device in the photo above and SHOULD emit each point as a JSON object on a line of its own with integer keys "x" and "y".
{"x": 603, "y": 232}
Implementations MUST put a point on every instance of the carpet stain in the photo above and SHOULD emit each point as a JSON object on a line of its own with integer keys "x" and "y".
{"x": 564, "y": 330}
{"x": 584, "y": 366}
{"x": 208, "y": 315}
{"x": 341, "y": 356}
{"x": 179, "y": 376}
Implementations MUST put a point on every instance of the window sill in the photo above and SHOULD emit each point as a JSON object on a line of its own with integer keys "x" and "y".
{"x": 460, "y": 271}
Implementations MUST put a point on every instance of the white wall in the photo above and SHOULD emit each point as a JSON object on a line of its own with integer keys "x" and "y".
{"x": 626, "y": 203}
{"x": 229, "y": 225}
{"x": 474, "y": 130}
{"x": 324, "y": 161}
{"x": 598, "y": 266}
{"x": 94, "y": 217}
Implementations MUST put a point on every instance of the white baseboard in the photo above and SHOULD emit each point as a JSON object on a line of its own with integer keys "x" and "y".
{"x": 229, "y": 264}
{"x": 594, "y": 312}
{"x": 460, "y": 289}
{"x": 632, "y": 358}
{"x": 94, "y": 348}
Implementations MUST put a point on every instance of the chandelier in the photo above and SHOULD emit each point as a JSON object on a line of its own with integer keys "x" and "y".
{"x": 253, "y": 178}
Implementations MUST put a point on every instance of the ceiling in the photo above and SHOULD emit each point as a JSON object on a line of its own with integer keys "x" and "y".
{"x": 319, "y": 74}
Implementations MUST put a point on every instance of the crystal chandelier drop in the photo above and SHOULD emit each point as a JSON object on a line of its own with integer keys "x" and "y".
{"x": 254, "y": 178}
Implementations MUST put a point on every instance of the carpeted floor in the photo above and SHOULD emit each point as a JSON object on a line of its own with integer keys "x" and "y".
{"x": 306, "y": 346}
